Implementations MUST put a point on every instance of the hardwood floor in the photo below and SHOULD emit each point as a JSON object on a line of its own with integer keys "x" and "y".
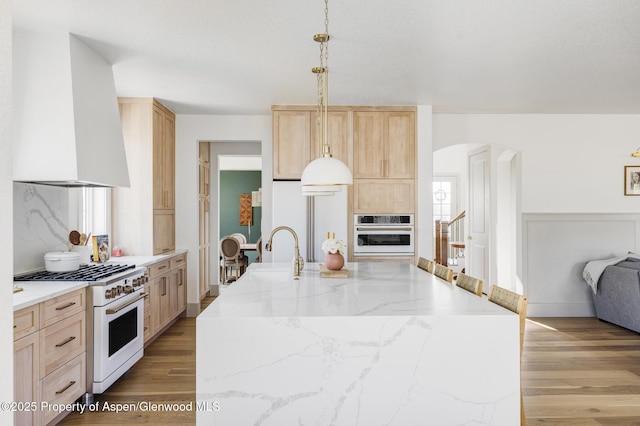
{"x": 575, "y": 371}
{"x": 580, "y": 371}
{"x": 166, "y": 374}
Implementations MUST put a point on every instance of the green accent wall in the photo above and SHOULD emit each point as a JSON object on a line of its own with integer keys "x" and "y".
{"x": 232, "y": 184}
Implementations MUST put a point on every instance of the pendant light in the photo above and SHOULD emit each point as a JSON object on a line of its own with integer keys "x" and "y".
{"x": 324, "y": 175}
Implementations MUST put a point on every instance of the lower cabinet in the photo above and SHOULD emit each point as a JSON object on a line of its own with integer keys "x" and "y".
{"x": 49, "y": 356}
{"x": 26, "y": 352}
{"x": 167, "y": 293}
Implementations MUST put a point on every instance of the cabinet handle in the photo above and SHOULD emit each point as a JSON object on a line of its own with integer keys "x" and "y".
{"x": 162, "y": 267}
{"x": 164, "y": 286}
{"x": 71, "y": 383}
{"x": 383, "y": 229}
{"x": 70, "y": 339}
{"x": 65, "y": 306}
{"x": 181, "y": 281}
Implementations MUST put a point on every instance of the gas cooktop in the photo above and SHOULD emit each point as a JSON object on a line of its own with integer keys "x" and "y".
{"x": 85, "y": 273}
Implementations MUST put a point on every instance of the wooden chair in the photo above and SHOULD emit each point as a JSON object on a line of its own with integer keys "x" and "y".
{"x": 469, "y": 283}
{"x": 231, "y": 259}
{"x": 516, "y": 303}
{"x": 240, "y": 237}
{"x": 443, "y": 272}
{"x": 426, "y": 264}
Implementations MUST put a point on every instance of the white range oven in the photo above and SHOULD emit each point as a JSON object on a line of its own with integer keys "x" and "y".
{"x": 115, "y": 318}
{"x": 383, "y": 235}
{"x": 118, "y": 326}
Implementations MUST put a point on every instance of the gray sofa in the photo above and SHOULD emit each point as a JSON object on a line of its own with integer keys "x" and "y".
{"x": 618, "y": 297}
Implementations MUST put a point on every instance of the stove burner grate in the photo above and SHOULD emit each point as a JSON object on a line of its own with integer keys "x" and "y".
{"x": 84, "y": 273}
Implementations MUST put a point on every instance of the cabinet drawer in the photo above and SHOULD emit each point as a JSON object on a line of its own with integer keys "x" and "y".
{"x": 61, "y": 342}
{"x": 26, "y": 321}
{"x": 64, "y": 385}
{"x": 62, "y": 307}
{"x": 158, "y": 269}
{"x": 178, "y": 261}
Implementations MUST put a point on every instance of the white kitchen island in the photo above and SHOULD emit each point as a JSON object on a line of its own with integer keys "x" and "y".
{"x": 389, "y": 345}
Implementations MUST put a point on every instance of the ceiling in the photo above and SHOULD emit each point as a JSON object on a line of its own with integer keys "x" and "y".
{"x": 240, "y": 56}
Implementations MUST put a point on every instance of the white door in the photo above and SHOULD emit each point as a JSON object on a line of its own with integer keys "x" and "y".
{"x": 479, "y": 216}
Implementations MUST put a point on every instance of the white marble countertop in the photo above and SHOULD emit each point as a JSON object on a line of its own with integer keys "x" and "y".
{"x": 372, "y": 289}
{"x": 38, "y": 291}
{"x": 391, "y": 344}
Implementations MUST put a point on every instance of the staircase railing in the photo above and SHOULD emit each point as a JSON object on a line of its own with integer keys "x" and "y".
{"x": 450, "y": 239}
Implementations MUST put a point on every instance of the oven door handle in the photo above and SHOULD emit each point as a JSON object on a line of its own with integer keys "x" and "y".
{"x": 119, "y": 308}
{"x": 384, "y": 229}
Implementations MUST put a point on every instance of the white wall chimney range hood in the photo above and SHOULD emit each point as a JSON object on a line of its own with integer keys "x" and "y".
{"x": 67, "y": 129}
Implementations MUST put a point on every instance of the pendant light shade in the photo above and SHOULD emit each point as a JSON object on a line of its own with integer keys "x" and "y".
{"x": 326, "y": 171}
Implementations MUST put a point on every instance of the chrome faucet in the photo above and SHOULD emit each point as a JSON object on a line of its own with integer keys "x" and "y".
{"x": 298, "y": 261}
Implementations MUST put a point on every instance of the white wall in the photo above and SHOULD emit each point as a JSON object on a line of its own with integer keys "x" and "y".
{"x": 424, "y": 221}
{"x": 6, "y": 214}
{"x": 568, "y": 164}
{"x": 190, "y": 130}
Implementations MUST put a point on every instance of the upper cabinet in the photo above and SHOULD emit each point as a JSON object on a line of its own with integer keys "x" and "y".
{"x": 163, "y": 158}
{"x": 295, "y": 142}
{"x": 384, "y": 144}
{"x": 377, "y": 143}
{"x": 144, "y": 214}
{"x": 291, "y": 143}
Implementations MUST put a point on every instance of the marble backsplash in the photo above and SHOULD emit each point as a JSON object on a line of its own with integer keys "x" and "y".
{"x": 41, "y": 223}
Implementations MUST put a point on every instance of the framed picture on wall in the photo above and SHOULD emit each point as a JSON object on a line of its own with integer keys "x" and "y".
{"x": 631, "y": 180}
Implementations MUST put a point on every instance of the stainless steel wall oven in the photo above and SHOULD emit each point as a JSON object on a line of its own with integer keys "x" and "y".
{"x": 383, "y": 235}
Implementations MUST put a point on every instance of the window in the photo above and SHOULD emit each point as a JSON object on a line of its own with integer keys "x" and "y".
{"x": 444, "y": 197}
{"x": 95, "y": 210}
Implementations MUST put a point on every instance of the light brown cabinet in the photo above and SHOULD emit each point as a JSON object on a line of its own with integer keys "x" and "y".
{"x": 159, "y": 276}
{"x": 295, "y": 141}
{"x": 383, "y": 196}
{"x": 384, "y": 144}
{"x": 163, "y": 158}
{"x": 178, "y": 286}
{"x": 291, "y": 143}
{"x": 167, "y": 293}
{"x": 26, "y": 383}
{"x": 377, "y": 143}
{"x": 49, "y": 355}
{"x": 143, "y": 215}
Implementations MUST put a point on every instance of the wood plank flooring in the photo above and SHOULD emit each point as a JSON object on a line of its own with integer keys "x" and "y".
{"x": 575, "y": 371}
{"x": 580, "y": 371}
{"x": 166, "y": 374}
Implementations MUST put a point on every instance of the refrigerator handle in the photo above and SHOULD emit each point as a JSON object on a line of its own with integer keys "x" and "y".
{"x": 310, "y": 229}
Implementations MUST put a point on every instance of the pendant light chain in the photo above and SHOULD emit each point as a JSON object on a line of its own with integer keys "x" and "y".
{"x": 323, "y": 87}
{"x": 324, "y": 175}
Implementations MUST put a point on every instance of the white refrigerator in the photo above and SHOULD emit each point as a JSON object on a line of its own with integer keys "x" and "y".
{"x": 290, "y": 208}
